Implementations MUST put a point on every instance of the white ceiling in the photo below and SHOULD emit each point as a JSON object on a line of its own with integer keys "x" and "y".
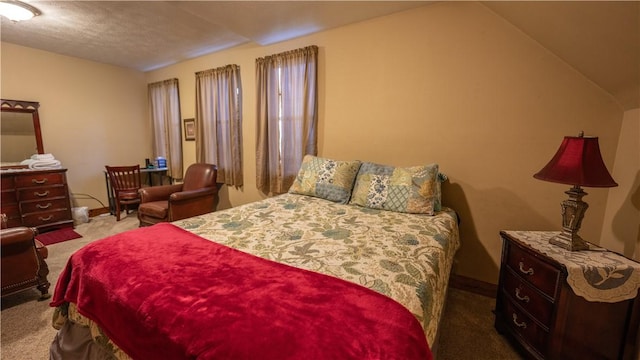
{"x": 601, "y": 39}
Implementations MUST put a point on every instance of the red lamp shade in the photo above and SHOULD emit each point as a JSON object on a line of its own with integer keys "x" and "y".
{"x": 577, "y": 162}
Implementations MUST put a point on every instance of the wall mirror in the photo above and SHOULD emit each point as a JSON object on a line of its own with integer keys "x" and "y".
{"x": 20, "y": 131}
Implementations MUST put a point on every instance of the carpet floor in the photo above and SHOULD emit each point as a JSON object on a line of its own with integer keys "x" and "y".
{"x": 466, "y": 331}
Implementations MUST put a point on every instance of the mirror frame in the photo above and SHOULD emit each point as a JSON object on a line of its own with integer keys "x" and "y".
{"x": 28, "y": 107}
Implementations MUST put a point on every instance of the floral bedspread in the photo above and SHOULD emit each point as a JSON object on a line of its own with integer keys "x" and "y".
{"x": 407, "y": 257}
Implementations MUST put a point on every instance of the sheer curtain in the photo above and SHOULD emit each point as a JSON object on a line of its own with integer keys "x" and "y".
{"x": 287, "y": 103}
{"x": 164, "y": 107}
{"x": 219, "y": 122}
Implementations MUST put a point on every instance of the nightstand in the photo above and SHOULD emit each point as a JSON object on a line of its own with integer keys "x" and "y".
{"x": 558, "y": 304}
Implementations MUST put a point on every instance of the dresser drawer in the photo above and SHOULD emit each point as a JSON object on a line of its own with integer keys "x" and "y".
{"x": 13, "y": 214}
{"x": 8, "y": 197}
{"x": 541, "y": 274}
{"x": 7, "y": 182}
{"x": 42, "y": 193}
{"x": 28, "y": 180}
{"x": 28, "y": 207}
{"x": 521, "y": 293}
{"x": 36, "y": 198}
{"x": 526, "y": 329}
{"x": 46, "y": 217}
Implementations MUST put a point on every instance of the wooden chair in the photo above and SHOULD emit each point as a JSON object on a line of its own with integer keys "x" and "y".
{"x": 125, "y": 181}
{"x": 197, "y": 195}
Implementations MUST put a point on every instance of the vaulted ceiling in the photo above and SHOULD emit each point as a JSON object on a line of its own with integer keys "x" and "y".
{"x": 600, "y": 39}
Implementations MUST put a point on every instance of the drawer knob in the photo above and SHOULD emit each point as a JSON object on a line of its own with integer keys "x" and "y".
{"x": 43, "y": 206}
{"x": 40, "y": 182}
{"x": 526, "y": 272}
{"x": 524, "y": 298}
{"x": 41, "y": 194}
{"x": 46, "y": 219}
{"x": 521, "y": 324}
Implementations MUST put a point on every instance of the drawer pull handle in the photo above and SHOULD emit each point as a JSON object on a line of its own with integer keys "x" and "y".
{"x": 41, "y": 194}
{"x": 40, "y": 182}
{"x": 527, "y": 272}
{"x": 43, "y": 206}
{"x": 524, "y": 298}
{"x": 519, "y": 324}
{"x": 45, "y": 219}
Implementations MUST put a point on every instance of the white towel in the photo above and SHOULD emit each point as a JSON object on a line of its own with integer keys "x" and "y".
{"x": 42, "y": 157}
{"x": 42, "y": 164}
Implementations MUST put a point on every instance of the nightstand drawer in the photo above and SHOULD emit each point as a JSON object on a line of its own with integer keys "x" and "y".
{"x": 525, "y": 327}
{"x": 540, "y": 274}
{"x": 521, "y": 293}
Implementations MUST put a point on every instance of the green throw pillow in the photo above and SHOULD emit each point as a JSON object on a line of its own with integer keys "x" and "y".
{"x": 413, "y": 190}
{"x": 325, "y": 178}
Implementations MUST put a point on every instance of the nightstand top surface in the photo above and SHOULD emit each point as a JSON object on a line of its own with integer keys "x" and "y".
{"x": 596, "y": 274}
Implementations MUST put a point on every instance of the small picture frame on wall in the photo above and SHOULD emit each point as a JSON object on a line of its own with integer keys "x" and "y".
{"x": 189, "y": 129}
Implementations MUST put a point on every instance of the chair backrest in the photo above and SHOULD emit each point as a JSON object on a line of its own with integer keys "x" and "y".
{"x": 124, "y": 178}
{"x": 199, "y": 175}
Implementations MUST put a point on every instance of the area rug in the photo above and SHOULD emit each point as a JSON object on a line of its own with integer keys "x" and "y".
{"x": 58, "y": 236}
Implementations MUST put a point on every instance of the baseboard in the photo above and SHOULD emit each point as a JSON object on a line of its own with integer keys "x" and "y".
{"x": 472, "y": 285}
{"x": 98, "y": 211}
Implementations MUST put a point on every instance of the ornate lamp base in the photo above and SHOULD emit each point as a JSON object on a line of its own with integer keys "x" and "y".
{"x": 573, "y": 210}
{"x": 571, "y": 242}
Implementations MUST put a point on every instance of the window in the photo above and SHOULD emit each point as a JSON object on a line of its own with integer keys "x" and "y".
{"x": 164, "y": 107}
{"x": 219, "y": 122}
{"x": 287, "y": 116}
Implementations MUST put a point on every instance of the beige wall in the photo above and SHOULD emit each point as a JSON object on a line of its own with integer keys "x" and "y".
{"x": 451, "y": 83}
{"x": 621, "y": 229}
{"x": 91, "y": 114}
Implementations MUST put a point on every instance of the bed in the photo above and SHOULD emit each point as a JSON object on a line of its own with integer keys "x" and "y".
{"x": 331, "y": 262}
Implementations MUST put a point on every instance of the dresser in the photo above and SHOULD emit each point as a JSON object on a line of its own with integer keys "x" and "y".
{"x": 36, "y": 198}
{"x": 557, "y": 304}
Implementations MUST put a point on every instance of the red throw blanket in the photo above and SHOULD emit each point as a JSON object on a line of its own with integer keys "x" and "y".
{"x": 164, "y": 293}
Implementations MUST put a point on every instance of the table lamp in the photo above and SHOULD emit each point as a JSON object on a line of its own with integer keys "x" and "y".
{"x": 578, "y": 163}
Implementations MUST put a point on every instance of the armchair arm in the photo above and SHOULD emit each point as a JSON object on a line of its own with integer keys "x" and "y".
{"x": 191, "y": 194}
{"x": 190, "y": 203}
{"x": 158, "y": 193}
{"x": 17, "y": 237}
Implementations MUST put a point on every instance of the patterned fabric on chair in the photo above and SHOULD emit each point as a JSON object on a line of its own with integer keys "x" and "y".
{"x": 197, "y": 195}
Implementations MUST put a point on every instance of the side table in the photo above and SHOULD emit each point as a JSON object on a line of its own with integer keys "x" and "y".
{"x": 559, "y": 304}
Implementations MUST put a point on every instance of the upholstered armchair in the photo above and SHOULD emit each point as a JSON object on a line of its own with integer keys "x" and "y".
{"x": 196, "y": 195}
{"x": 23, "y": 265}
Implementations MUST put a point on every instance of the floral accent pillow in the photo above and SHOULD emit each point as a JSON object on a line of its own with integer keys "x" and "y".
{"x": 325, "y": 178}
{"x": 409, "y": 190}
